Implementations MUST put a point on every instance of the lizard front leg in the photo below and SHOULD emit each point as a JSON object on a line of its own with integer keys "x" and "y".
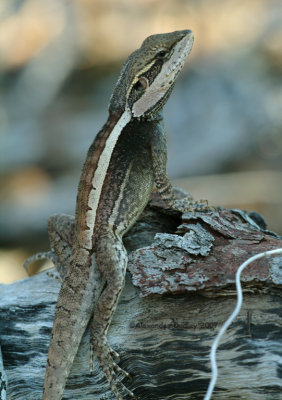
{"x": 60, "y": 229}
{"x": 163, "y": 184}
{"x": 111, "y": 258}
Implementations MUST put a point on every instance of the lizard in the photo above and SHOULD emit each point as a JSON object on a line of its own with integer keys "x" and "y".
{"x": 124, "y": 162}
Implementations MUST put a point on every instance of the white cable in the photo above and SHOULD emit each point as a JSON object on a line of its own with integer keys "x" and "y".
{"x": 231, "y": 318}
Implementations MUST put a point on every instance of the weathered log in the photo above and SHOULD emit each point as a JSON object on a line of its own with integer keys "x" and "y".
{"x": 179, "y": 291}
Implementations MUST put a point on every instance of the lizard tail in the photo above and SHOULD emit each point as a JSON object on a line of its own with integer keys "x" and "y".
{"x": 78, "y": 295}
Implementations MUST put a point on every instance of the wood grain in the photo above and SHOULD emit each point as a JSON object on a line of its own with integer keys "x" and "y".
{"x": 164, "y": 340}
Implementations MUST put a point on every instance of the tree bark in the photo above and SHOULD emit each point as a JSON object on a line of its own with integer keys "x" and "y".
{"x": 179, "y": 290}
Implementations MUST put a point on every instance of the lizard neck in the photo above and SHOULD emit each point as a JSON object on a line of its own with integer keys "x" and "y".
{"x": 156, "y": 117}
{"x": 93, "y": 175}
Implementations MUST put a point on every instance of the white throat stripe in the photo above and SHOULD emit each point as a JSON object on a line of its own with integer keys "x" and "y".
{"x": 99, "y": 176}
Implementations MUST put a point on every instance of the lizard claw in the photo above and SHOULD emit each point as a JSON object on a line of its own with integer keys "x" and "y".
{"x": 118, "y": 370}
{"x": 111, "y": 369}
{"x": 114, "y": 353}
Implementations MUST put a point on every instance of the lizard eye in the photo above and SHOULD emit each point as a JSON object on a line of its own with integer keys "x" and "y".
{"x": 161, "y": 54}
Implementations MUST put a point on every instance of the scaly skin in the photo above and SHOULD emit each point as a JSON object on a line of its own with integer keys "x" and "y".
{"x": 125, "y": 160}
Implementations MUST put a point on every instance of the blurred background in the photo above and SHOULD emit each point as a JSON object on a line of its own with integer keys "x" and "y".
{"x": 59, "y": 60}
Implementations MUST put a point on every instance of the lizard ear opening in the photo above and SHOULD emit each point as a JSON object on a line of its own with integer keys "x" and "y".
{"x": 141, "y": 84}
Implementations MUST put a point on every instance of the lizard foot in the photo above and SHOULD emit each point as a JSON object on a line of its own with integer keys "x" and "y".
{"x": 114, "y": 353}
{"x": 112, "y": 370}
{"x": 38, "y": 256}
{"x": 110, "y": 351}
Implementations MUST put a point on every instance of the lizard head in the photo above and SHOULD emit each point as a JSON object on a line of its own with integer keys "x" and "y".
{"x": 148, "y": 75}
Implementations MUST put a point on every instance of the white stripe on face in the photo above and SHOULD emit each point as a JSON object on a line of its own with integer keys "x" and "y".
{"x": 165, "y": 78}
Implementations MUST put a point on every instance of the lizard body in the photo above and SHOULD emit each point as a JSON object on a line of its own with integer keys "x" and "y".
{"x": 125, "y": 160}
